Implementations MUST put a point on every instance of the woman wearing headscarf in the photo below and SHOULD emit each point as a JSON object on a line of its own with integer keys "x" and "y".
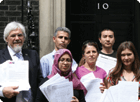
{"x": 62, "y": 65}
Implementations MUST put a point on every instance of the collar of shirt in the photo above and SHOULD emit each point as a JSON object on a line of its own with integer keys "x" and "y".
{"x": 12, "y": 53}
{"x": 53, "y": 53}
{"x": 122, "y": 78}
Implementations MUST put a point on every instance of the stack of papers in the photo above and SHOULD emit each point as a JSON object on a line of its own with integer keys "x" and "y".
{"x": 92, "y": 85}
{"x": 106, "y": 62}
{"x": 57, "y": 89}
{"x": 15, "y": 73}
{"x": 124, "y": 91}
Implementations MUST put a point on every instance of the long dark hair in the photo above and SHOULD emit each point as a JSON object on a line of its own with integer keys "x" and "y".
{"x": 85, "y": 44}
{"x": 116, "y": 73}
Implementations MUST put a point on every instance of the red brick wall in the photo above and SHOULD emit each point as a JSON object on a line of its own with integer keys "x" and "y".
{"x": 15, "y": 10}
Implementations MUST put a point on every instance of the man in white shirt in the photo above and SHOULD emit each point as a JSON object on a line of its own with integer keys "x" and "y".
{"x": 61, "y": 40}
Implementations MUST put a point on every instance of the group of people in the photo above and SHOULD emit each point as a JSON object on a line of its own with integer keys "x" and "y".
{"x": 60, "y": 61}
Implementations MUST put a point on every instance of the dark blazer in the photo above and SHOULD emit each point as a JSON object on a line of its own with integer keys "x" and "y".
{"x": 35, "y": 74}
{"x": 79, "y": 94}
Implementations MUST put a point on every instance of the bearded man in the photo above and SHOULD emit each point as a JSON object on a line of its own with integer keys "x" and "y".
{"x": 14, "y": 36}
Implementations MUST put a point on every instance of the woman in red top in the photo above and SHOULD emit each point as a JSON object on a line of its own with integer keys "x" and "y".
{"x": 127, "y": 67}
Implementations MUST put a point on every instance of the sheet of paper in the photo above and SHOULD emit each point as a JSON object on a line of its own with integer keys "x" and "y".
{"x": 46, "y": 84}
{"x": 102, "y": 99}
{"x": 105, "y": 97}
{"x": 92, "y": 85}
{"x": 86, "y": 77}
{"x": 94, "y": 94}
{"x": 128, "y": 91}
{"x": 106, "y": 62}
{"x": 62, "y": 92}
{"x": 3, "y": 71}
{"x": 57, "y": 89}
{"x": 15, "y": 74}
{"x": 113, "y": 93}
{"x": 124, "y": 91}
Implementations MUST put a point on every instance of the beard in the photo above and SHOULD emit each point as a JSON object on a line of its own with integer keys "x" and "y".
{"x": 17, "y": 48}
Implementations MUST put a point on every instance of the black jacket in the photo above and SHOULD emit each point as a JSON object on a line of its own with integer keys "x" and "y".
{"x": 35, "y": 74}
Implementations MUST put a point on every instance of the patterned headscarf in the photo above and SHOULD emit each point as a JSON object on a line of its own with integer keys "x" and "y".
{"x": 76, "y": 82}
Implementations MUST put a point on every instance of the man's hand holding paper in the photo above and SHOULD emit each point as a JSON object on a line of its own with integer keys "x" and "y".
{"x": 10, "y": 92}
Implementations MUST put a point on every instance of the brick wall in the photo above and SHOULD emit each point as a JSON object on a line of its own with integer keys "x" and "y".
{"x": 15, "y": 10}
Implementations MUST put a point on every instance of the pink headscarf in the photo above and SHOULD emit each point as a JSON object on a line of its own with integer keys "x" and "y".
{"x": 76, "y": 82}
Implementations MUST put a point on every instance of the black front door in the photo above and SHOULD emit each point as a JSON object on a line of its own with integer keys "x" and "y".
{"x": 85, "y": 18}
